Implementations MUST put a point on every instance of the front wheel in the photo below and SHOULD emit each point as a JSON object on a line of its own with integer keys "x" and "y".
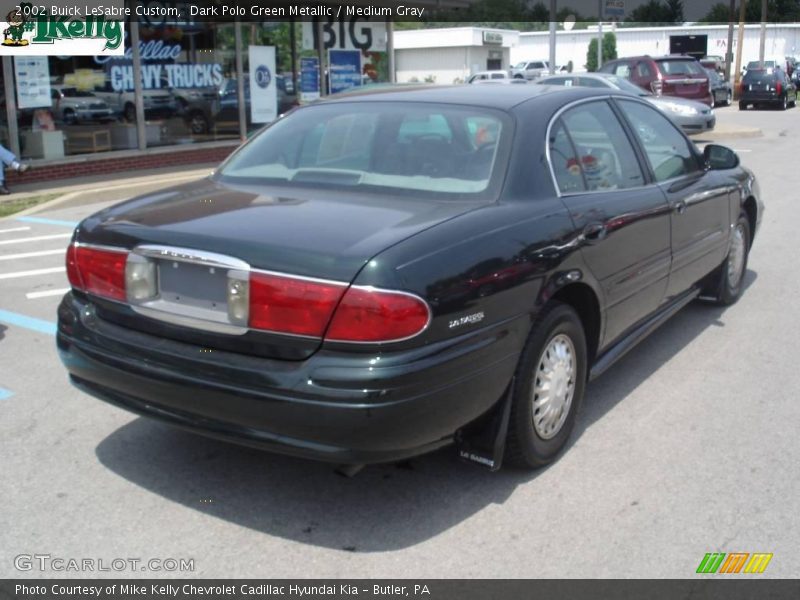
{"x": 742, "y": 106}
{"x": 730, "y": 274}
{"x": 549, "y": 387}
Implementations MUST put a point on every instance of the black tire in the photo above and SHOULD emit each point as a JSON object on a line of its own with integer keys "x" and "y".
{"x": 525, "y": 446}
{"x": 729, "y": 98}
{"x": 784, "y": 103}
{"x": 742, "y": 106}
{"x": 728, "y": 289}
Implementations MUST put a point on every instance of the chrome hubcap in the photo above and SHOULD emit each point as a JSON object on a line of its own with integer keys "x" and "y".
{"x": 736, "y": 257}
{"x": 553, "y": 386}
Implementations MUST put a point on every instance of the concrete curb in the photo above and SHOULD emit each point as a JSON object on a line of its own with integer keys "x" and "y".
{"x": 71, "y": 192}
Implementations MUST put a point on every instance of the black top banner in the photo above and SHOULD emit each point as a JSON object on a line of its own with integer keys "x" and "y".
{"x": 524, "y": 15}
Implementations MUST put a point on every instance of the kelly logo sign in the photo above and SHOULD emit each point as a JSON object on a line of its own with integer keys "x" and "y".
{"x": 29, "y": 30}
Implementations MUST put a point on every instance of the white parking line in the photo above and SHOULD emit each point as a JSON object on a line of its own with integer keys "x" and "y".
{"x": 32, "y": 254}
{"x": 14, "y": 229}
{"x": 32, "y": 273}
{"x": 46, "y": 293}
{"x": 38, "y": 238}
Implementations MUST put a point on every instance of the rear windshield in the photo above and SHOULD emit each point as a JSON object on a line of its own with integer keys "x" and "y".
{"x": 681, "y": 67}
{"x": 418, "y": 149}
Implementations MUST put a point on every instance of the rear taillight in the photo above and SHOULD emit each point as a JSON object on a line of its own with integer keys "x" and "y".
{"x": 779, "y": 88}
{"x": 657, "y": 86}
{"x": 266, "y": 301}
{"x": 97, "y": 271}
{"x": 367, "y": 314}
{"x": 292, "y": 305}
{"x": 296, "y": 306}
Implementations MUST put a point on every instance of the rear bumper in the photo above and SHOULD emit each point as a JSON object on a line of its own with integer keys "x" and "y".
{"x": 760, "y": 98}
{"x": 343, "y": 408}
{"x": 698, "y": 124}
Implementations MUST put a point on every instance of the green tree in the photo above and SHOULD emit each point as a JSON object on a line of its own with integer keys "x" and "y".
{"x": 719, "y": 13}
{"x": 656, "y": 12}
{"x": 609, "y": 51}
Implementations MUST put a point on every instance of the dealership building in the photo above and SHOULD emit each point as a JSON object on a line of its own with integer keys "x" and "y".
{"x": 781, "y": 40}
{"x": 173, "y": 97}
{"x": 179, "y": 94}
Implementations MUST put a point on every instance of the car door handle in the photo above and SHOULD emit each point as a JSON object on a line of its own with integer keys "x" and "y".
{"x": 594, "y": 232}
{"x": 679, "y": 207}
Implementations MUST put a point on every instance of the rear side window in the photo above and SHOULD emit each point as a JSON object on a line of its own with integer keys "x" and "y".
{"x": 562, "y": 158}
{"x": 600, "y": 152}
{"x": 643, "y": 70}
{"x": 667, "y": 150}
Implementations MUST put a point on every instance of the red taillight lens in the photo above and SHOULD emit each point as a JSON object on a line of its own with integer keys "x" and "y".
{"x": 99, "y": 272}
{"x": 292, "y": 305}
{"x": 779, "y": 88}
{"x": 371, "y": 315}
{"x": 73, "y": 274}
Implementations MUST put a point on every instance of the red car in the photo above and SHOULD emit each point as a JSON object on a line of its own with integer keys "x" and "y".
{"x": 674, "y": 75}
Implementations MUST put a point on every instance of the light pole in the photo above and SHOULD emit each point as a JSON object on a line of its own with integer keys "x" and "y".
{"x": 599, "y": 34}
{"x": 552, "y": 37}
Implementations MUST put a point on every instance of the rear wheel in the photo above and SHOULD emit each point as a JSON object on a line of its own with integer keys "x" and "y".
{"x": 549, "y": 387}
{"x": 742, "y": 106}
{"x": 729, "y": 276}
{"x": 729, "y": 98}
{"x": 785, "y": 102}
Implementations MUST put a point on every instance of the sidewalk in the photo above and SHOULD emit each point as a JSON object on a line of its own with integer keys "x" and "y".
{"x": 100, "y": 188}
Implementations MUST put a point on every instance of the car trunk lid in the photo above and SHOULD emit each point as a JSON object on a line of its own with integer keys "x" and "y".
{"x": 199, "y": 232}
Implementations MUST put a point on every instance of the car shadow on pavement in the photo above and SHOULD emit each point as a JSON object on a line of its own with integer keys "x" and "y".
{"x": 383, "y": 508}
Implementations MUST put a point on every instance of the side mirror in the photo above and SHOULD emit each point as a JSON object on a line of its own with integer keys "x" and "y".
{"x": 720, "y": 157}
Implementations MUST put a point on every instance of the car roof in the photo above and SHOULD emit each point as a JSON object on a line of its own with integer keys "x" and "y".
{"x": 501, "y": 97}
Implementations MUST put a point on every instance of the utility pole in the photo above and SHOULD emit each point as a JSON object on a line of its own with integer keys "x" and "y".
{"x": 553, "y": 37}
{"x": 599, "y": 34}
{"x": 763, "y": 39}
{"x": 729, "y": 52}
{"x": 740, "y": 43}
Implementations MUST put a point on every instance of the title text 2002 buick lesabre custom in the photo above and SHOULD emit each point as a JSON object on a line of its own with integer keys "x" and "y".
{"x": 379, "y": 275}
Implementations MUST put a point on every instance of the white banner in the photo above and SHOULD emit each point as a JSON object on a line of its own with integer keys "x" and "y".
{"x": 263, "y": 90}
{"x": 349, "y": 33}
{"x": 33, "y": 81}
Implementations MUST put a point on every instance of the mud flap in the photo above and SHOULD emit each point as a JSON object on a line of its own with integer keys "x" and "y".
{"x": 484, "y": 442}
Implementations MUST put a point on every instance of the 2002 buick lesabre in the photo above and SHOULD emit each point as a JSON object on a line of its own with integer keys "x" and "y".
{"x": 379, "y": 275}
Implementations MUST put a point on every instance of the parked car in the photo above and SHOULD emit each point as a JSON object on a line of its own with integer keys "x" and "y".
{"x": 767, "y": 87}
{"x": 72, "y": 105}
{"x": 721, "y": 90}
{"x": 714, "y": 62}
{"x": 530, "y": 69}
{"x": 674, "y": 75}
{"x": 158, "y": 103}
{"x": 380, "y": 275}
{"x": 229, "y": 101}
{"x": 691, "y": 116}
{"x": 488, "y": 76}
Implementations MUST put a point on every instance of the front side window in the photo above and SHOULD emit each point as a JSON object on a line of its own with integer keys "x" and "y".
{"x": 602, "y": 153}
{"x": 426, "y": 150}
{"x": 668, "y": 151}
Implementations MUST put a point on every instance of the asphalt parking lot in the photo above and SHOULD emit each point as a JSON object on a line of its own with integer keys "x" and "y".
{"x": 688, "y": 445}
